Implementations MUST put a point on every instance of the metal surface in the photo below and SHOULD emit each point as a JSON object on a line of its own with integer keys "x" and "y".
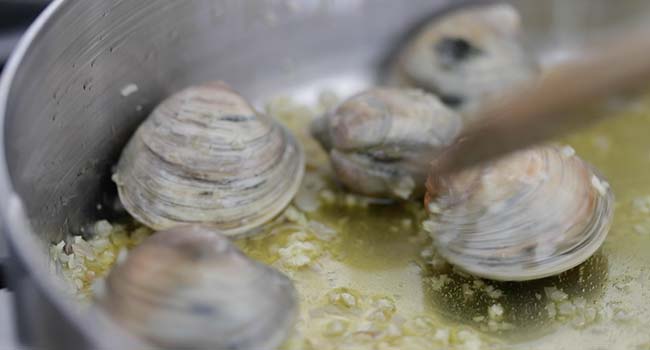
{"x": 65, "y": 117}
{"x": 7, "y": 331}
{"x": 15, "y": 17}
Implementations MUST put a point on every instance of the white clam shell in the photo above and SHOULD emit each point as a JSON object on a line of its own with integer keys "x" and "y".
{"x": 205, "y": 156}
{"x": 468, "y": 57}
{"x": 531, "y": 214}
{"x": 190, "y": 288}
{"x": 374, "y": 137}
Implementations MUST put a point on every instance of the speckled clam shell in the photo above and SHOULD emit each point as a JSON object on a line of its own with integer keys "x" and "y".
{"x": 205, "y": 156}
{"x": 468, "y": 57}
{"x": 374, "y": 137}
{"x": 190, "y": 288}
{"x": 531, "y": 214}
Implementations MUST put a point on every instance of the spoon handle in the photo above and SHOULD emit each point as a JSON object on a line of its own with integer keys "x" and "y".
{"x": 563, "y": 99}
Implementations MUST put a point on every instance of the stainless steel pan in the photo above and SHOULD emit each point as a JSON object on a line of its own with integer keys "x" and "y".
{"x": 65, "y": 120}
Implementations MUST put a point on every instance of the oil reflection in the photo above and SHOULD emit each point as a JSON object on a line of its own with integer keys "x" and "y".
{"x": 530, "y": 309}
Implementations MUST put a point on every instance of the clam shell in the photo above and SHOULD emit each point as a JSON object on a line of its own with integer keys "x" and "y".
{"x": 531, "y": 214}
{"x": 468, "y": 57}
{"x": 373, "y": 138}
{"x": 190, "y": 288}
{"x": 205, "y": 156}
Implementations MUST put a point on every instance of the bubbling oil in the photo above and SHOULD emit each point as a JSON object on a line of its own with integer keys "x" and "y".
{"x": 368, "y": 277}
{"x": 381, "y": 250}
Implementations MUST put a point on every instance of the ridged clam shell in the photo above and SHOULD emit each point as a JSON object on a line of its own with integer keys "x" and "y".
{"x": 531, "y": 214}
{"x": 205, "y": 156}
{"x": 468, "y": 57}
{"x": 190, "y": 288}
{"x": 374, "y": 136}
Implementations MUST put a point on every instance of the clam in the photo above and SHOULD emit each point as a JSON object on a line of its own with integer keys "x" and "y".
{"x": 190, "y": 288}
{"x": 204, "y": 155}
{"x": 374, "y": 137}
{"x": 468, "y": 56}
{"x": 528, "y": 215}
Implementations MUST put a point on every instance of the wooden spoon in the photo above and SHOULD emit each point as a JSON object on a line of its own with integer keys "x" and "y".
{"x": 566, "y": 97}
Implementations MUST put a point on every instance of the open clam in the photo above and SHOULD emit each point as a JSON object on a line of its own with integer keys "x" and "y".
{"x": 468, "y": 56}
{"x": 528, "y": 215}
{"x": 190, "y": 288}
{"x": 373, "y": 138}
{"x": 206, "y": 156}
